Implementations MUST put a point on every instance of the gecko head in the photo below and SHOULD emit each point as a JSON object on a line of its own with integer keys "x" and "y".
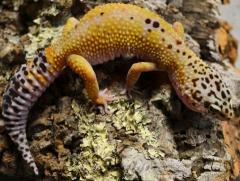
{"x": 209, "y": 94}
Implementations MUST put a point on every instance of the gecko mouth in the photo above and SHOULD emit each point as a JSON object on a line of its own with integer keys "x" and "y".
{"x": 217, "y": 112}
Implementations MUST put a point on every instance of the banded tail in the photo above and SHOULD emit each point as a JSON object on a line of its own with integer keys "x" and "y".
{"x": 25, "y": 87}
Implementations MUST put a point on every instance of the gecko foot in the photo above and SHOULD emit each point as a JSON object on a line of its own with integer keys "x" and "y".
{"x": 103, "y": 98}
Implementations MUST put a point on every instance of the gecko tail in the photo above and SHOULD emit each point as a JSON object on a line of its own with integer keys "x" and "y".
{"x": 24, "y": 89}
{"x": 20, "y": 139}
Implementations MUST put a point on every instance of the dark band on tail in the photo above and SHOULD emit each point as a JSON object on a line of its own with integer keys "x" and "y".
{"x": 23, "y": 91}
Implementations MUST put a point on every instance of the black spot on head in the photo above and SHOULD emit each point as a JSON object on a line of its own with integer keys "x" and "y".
{"x": 178, "y": 51}
{"x": 148, "y": 21}
{"x": 224, "y": 103}
{"x": 189, "y": 56}
{"x": 184, "y": 53}
{"x": 156, "y": 24}
{"x": 226, "y": 111}
{"x": 25, "y": 155}
{"x": 228, "y": 92}
{"x": 102, "y": 13}
{"x": 213, "y": 93}
{"x": 162, "y": 30}
{"x": 196, "y": 95}
{"x": 207, "y": 80}
{"x": 194, "y": 81}
{"x": 217, "y": 76}
{"x": 223, "y": 94}
{"x": 218, "y": 85}
{"x": 169, "y": 46}
{"x": 190, "y": 64}
{"x": 18, "y": 76}
{"x": 131, "y": 17}
{"x": 195, "y": 70}
{"x": 211, "y": 76}
{"x": 21, "y": 139}
{"x": 149, "y": 30}
{"x": 203, "y": 85}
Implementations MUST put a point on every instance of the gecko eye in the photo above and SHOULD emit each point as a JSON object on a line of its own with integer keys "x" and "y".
{"x": 214, "y": 109}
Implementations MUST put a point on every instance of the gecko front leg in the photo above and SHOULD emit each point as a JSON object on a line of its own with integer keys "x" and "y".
{"x": 135, "y": 72}
{"x": 83, "y": 68}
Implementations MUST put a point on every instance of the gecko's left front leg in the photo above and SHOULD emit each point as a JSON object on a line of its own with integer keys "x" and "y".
{"x": 83, "y": 68}
{"x": 135, "y": 72}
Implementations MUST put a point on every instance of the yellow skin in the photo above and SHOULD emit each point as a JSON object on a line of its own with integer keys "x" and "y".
{"x": 111, "y": 30}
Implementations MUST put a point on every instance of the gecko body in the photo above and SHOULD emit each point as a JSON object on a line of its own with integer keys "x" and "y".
{"x": 106, "y": 32}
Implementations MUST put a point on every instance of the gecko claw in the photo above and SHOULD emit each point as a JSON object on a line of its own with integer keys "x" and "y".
{"x": 103, "y": 98}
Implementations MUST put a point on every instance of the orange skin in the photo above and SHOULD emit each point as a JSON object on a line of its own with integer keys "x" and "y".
{"x": 111, "y": 30}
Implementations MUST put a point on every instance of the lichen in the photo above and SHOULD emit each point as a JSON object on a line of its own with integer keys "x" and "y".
{"x": 99, "y": 155}
{"x": 41, "y": 39}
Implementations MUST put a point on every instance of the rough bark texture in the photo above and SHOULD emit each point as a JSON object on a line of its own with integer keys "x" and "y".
{"x": 153, "y": 137}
